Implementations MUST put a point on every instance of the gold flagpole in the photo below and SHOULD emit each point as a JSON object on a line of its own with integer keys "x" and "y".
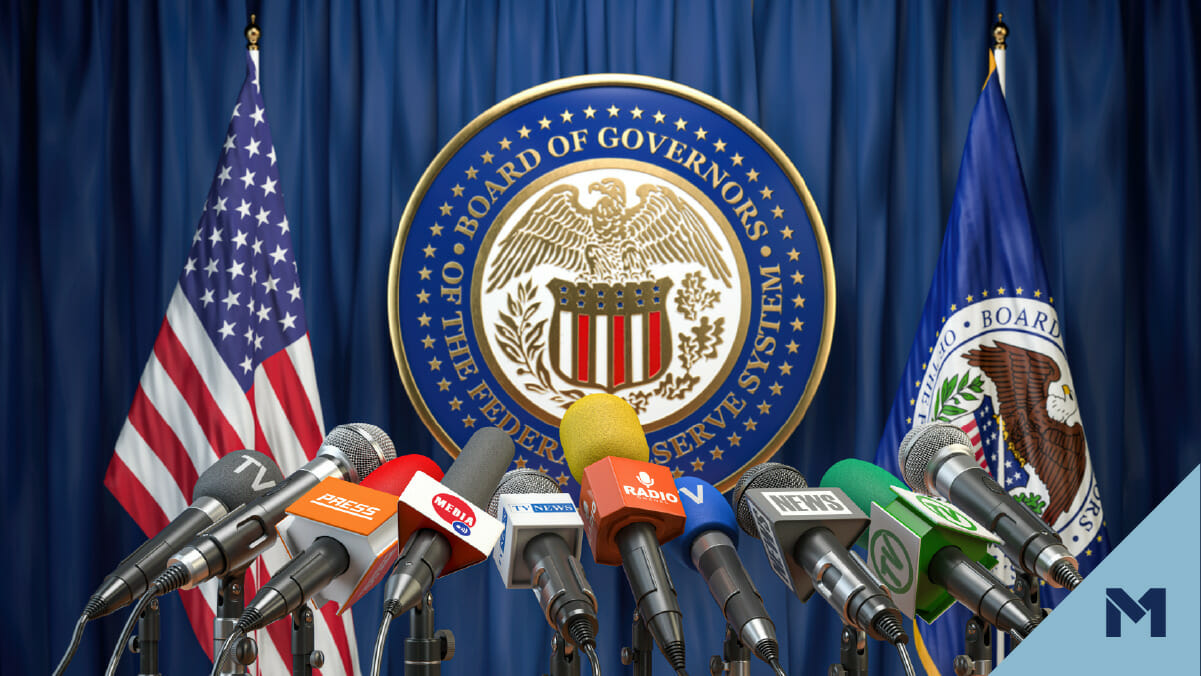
{"x": 252, "y": 32}
{"x": 1000, "y": 32}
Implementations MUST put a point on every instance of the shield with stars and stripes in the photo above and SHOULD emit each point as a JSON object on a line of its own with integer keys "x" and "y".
{"x": 610, "y": 336}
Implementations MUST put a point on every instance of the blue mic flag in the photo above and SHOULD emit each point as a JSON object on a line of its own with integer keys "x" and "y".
{"x": 989, "y": 358}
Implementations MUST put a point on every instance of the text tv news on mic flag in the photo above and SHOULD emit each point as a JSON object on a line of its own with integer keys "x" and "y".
{"x": 613, "y": 234}
{"x": 989, "y": 358}
{"x": 232, "y": 368}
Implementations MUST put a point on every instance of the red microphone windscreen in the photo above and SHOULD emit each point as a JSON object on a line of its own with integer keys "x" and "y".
{"x": 394, "y": 475}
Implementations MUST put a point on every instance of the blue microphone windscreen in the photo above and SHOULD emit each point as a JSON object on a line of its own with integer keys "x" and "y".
{"x": 705, "y": 509}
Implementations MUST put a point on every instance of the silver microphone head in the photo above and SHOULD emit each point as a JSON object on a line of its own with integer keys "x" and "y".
{"x": 919, "y": 447}
{"x": 365, "y": 447}
{"x": 522, "y": 482}
{"x": 767, "y": 475}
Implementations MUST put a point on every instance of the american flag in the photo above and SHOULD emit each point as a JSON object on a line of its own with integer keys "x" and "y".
{"x": 232, "y": 368}
{"x": 981, "y": 427}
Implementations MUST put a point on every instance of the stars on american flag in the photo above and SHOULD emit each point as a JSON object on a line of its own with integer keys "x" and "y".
{"x": 240, "y": 275}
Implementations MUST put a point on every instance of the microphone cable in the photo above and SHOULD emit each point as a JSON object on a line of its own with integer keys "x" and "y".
{"x": 906, "y": 662}
{"x": 151, "y": 594}
{"x": 589, "y": 650}
{"x": 234, "y": 636}
{"x": 381, "y": 638}
{"x": 76, "y": 637}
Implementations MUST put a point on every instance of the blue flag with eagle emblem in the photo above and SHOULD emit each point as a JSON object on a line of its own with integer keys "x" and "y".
{"x": 989, "y": 358}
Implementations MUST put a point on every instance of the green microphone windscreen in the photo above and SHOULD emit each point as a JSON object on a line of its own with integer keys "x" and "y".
{"x": 863, "y": 483}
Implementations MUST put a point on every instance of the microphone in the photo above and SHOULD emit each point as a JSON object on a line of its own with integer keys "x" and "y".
{"x": 234, "y": 480}
{"x": 709, "y": 546}
{"x": 935, "y": 459}
{"x": 342, "y": 537}
{"x": 539, "y": 549}
{"x": 928, "y": 553}
{"x": 805, "y": 533}
{"x": 230, "y": 545}
{"x": 349, "y": 452}
{"x": 630, "y": 506}
{"x": 439, "y": 522}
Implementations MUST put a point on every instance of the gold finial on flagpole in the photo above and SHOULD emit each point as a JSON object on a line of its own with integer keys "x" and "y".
{"x": 999, "y": 32}
{"x": 253, "y": 32}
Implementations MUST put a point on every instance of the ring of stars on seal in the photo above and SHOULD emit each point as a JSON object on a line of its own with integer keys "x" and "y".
{"x": 622, "y": 234}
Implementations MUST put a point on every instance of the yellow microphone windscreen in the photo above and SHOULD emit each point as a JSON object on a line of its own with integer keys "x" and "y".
{"x": 597, "y": 426}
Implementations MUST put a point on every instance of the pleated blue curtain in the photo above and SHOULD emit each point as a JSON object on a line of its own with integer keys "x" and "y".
{"x": 114, "y": 115}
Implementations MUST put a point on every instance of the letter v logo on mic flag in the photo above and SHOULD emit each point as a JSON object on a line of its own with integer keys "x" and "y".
{"x": 989, "y": 357}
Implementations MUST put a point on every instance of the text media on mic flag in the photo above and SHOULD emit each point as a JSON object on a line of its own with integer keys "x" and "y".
{"x": 989, "y": 360}
{"x": 231, "y": 369}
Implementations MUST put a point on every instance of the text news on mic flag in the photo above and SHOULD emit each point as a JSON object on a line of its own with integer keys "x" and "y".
{"x": 989, "y": 358}
{"x": 231, "y": 368}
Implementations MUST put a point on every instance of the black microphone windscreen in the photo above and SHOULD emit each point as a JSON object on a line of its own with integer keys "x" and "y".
{"x": 480, "y": 465}
{"x": 767, "y": 475}
{"x": 522, "y": 482}
{"x": 237, "y": 478}
{"x": 918, "y": 449}
{"x": 365, "y": 446}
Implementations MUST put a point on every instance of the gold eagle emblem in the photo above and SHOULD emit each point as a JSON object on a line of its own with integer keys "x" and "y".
{"x": 1036, "y": 419}
{"x": 610, "y": 242}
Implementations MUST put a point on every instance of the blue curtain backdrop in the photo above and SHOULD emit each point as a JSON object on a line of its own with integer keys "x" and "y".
{"x": 113, "y": 118}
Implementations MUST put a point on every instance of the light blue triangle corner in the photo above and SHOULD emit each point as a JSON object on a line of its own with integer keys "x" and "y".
{"x": 1162, "y": 552}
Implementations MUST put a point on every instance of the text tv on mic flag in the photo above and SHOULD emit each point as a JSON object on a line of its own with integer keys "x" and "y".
{"x": 231, "y": 369}
{"x": 989, "y": 358}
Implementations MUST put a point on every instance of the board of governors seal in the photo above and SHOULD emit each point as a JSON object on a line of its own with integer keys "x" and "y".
{"x": 620, "y": 234}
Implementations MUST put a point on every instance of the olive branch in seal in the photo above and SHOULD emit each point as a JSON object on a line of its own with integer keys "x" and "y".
{"x": 702, "y": 344}
{"x": 521, "y": 339}
{"x": 949, "y": 401}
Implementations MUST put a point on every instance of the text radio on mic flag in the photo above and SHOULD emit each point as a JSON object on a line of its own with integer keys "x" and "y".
{"x": 927, "y": 552}
{"x": 630, "y": 506}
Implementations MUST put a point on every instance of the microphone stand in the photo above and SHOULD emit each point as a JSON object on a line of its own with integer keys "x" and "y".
{"x": 735, "y": 658}
{"x": 1025, "y": 588}
{"x": 426, "y": 649}
{"x": 853, "y": 652}
{"x": 978, "y": 648}
{"x": 562, "y": 662}
{"x": 305, "y": 656}
{"x": 230, "y": 603}
{"x": 145, "y": 642}
{"x": 978, "y": 660}
{"x": 641, "y": 649}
